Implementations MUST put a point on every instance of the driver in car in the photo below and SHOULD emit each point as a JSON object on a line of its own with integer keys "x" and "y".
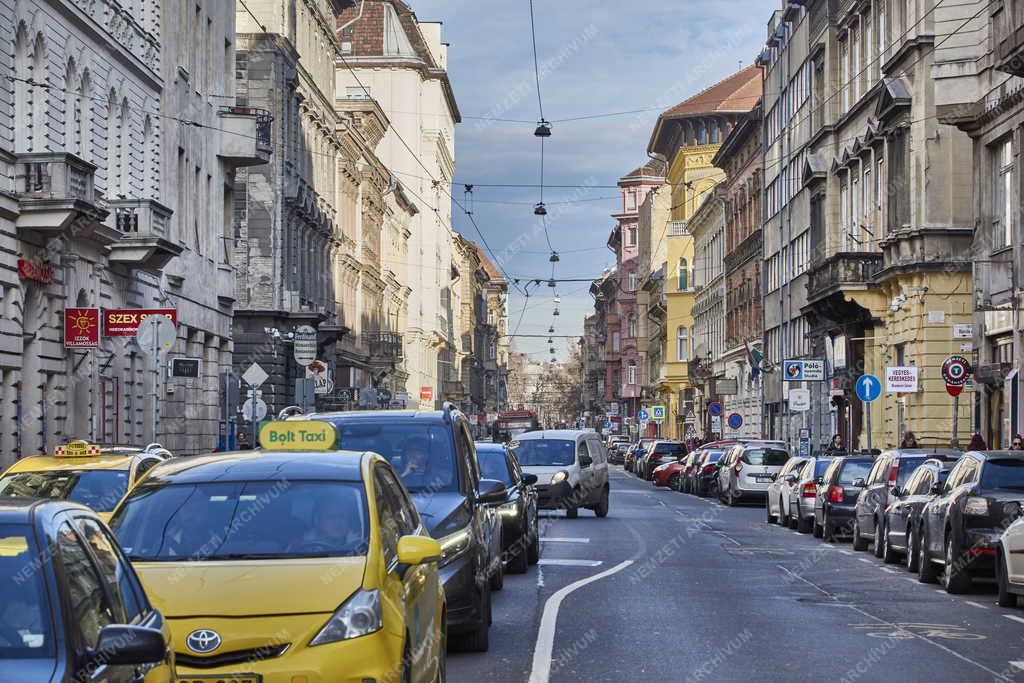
{"x": 331, "y": 528}
{"x": 416, "y": 455}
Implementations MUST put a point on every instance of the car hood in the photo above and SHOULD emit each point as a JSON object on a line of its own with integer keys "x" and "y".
{"x": 435, "y": 508}
{"x": 252, "y": 587}
{"x": 27, "y": 669}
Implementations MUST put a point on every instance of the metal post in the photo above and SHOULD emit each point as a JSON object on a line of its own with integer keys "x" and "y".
{"x": 956, "y": 417}
{"x": 867, "y": 408}
{"x": 156, "y": 386}
{"x": 252, "y": 429}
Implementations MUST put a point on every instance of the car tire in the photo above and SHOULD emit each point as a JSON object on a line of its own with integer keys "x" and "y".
{"x": 1006, "y": 598}
{"x": 911, "y": 558}
{"x": 572, "y": 513}
{"x": 926, "y": 572}
{"x": 803, "y": 525}
{"x": 518, "y": 563}
{"x": 442, "y": 655}
{"x": 860, "y": 543}
{"x": 769, "y": 518}
{"x": 479, "y": 640}
{"x": 828, "y": 531}
{"x": 673, "y": 482}
{"x": 955, "y": 579}
{"x": 601, "y": 509}
{"x": 816, "y": 529}
{"x": 889, "y": 555}
{"x": 533, "y": 550}
{"x": 497, "y": 574}
{"x": 879, "y": 539}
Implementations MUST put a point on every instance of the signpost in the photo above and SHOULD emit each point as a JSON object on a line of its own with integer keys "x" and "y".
{"x": 715, "y": 409}
{"x": 304, "y": 345}
{"x": 955, "y": 371}
{"x": 642, "y": 415}
{"x": 801, "y": 370}
{"x": 735, "y": 421}
{"x": 901, "y": 379}
{"x": 323, "y": 379}
{"x": 869, "y": 388}
{"x": 805, "y": 443}
{"x": 800, "y": 400}
{"x": 124, "y": 322}
{"x": 657, "y": 413}
{"x": 185, "y": 368}
{"x": 254, "y": 376}
{"x": 155, "y": 335}
{"x": 716, "y": 424}
{"x": 81, "y": 328}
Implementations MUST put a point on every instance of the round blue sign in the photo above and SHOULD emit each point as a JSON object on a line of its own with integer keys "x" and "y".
{"x": 869, "y": 388}
{"x": 715, "y": 408}
{"x": 642, "y": 415}
{"x": 735, "y": 421}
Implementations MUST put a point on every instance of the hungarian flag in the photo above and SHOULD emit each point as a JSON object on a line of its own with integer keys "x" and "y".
{"x": 755, "y": 358}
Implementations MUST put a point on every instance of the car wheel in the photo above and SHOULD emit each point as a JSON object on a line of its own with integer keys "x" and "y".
{"x": 926, "y": 572}
{"x": 572, "y": 512}
{"x": 1006, "y": 598}
{"x": 442, "y": 655}
{"x": 859, "y": 542}
{"x": 803, "y": 525}
{"x": 769, "y": 518}
{"x": 911, "y": 557}
{"x": 406, "y": 661}
{"x": 817, "y": 531}
{"x": 955, "y": 579}
{"x": 601, "y": 509}
{"x": 828, "y": 532}
{"x": 889, "y": 555}
{"x": 879, "y": 539}
{"x": 518, "y": 562}
{"x": 533, "y": 550}
{"x": 497, "y": 574}
{"x": 673, "y": 482}
{"x": 478, "y": 640}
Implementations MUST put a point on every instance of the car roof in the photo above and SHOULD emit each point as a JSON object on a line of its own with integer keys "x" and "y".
{"x": 917, "y": 452}
{"x": 19, "y": 510}
{"x": 856, "y": 458}
{"x": 376, "y": 415}
{"x": 553, "y": 434}
{"x": 51, "y": 463}
{"x": 490, "y": 446}
{"x": 259, "y": 465}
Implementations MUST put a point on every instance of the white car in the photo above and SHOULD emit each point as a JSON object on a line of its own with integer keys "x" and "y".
{"x": 777, "y": 505}
{"x": 571, "y": 468}
{"x": 800, "y": 510}
{"x": 746, "y": 471}
{"x": 1010, "y": 564}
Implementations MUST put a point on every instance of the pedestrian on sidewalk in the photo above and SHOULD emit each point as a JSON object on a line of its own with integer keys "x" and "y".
{"x": 909, "y": 441}
{"x": 977, "y": 443}
{"x": 1018, "y": 443}
{"x": 835, "y": 445}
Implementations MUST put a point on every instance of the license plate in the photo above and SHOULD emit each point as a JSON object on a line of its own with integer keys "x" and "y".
{"x": 763, "y": 477}
{"x": 224, "y": 678}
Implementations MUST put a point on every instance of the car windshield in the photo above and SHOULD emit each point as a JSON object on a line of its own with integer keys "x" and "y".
{"x": 854, "y": 470}
{"x": 767, "y": 457}
{"x": 545, "y": 452}
{"x": 97, "y": 489}
{"x": 907, "y": 467}
{"x": 494, "y": 465}
{"x": 243, "y": 520}
{"x": 26, "y": 631}
{"x": 1003, "y": 473}
{"x": 422, "y": 454}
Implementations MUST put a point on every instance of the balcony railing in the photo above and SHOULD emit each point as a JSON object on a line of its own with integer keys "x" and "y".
{"x": 144, "y": 225}
{"x": 1008, "y": 36}
{"x": 384, "y": 345}
{"x": 842, "y": 270}
{"x": 246, "y": 138}
{"x": 54, "y": 176}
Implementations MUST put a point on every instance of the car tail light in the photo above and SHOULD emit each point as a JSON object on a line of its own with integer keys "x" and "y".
{"x": 810, "y": 490}
{"x": 836, "y": 494}
{"x": 708, "y": 469}
{"x": 736, "y": 468}
{"x": 894, "y": 474}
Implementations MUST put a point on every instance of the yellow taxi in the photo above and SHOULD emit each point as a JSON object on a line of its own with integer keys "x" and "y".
{"x": 296, "y": 563}
{"x": 93, "y": 475}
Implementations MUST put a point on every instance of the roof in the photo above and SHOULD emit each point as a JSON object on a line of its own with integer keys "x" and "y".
{"x": 554, "y": 434}
{"x": 653, "y": 168}
{"x": 736, "y": 93}
{"x": 488, "y": 266}
{"x": 49, "y": 463}
{"x": 16, "y": 510}
{"x": 261, "y": 466}
{"x": 376, "y": 415}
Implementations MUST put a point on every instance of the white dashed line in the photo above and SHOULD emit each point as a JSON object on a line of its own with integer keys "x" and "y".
{"x": 1014, "y": 618}
{"x": 865, "y": 560}
{"x": 976, "y": 604}
{"x": 846, "y": 552}
{"x": 554, "y": 539}
{"x": 570, "y": 563}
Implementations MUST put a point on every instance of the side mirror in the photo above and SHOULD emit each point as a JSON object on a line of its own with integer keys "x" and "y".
{"x": 791, "y": 479}
{"x": 128, "y": 646}
{"x": 586, "y": 461}
{"x": 860, "y": 483}
{"x": 936, "y": 489}
{"x": 529, "y": 479}
{"x": 819, "y": 481}
{"x": 492, "y": 492}
{"x": 413, "y": 550}
{"x": 897, "y": 491}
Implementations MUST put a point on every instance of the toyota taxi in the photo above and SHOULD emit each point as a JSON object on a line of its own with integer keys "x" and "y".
{"x": 297, "y": 563}
{"x": 81, "y": 472}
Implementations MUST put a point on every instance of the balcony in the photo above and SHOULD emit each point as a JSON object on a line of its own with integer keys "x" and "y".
{"x": 245, "y": 136}
{"x": 144, "y": 228}
{"x": 1008, "y": 36}
{"x": 56, "y": 189}
{"x": 453, "y": 389}
{"x": 842, "y": 271}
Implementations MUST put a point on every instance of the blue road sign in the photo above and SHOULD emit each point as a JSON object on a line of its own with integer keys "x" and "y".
{"x": 735, "y": 421}
{"x": 869, "y": 388}
{"x": 607, "y": 425}
{"x": 715, "y": 408}
{"x": 642, "y": 415}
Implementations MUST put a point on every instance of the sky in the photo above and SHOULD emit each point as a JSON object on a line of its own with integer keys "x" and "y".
{"x": 596, "y": 57}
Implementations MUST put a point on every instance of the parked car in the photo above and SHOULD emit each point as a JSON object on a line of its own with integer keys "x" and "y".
{"x": 705, "y": 481}
{"x": 634, "y": 453}
{"x": 836, "y": 497}
{"x": 961, "y": 527}
{"x": 686, "y": 472}
{"x": 800, "y": 509}
{"x": 520, "y": 531}
{"x": 571, "y": 468}
{"x": 1010, "y": 564}
{"x": 435, "y": 457}
{"x": 668, "y": 473}
{"x": 660, "y": 453}
{"x": 903, "y": 515}
{"x": 73, "y": 605}
{"x": 779, "y": 490}
{"x": 747, "y": 470}
{"x": 891, "y": 469}
{"x": 617, "y": 446}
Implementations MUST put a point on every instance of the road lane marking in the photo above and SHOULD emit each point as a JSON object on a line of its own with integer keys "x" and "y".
{"x": 541, "y": 672}
{"x": 846, "y": 552}
{"x": 976, "y": 604}
{"x": 1019, "y": 665}
{"x": 888, "y": 570}
{"x": 1014, "y": 618}
{"x": 865, "y": 560}
{"x": 556, "y": 539}
{"x": 571, "y": 563}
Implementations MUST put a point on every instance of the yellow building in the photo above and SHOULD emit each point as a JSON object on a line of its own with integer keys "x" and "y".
{"x": 686, "y": 137}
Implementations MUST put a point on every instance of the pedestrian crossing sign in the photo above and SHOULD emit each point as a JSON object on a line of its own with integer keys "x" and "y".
{"x": 657, "y": 412}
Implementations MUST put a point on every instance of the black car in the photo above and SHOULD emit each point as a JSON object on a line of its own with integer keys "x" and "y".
{"x": 661, "y": 453}
{"x": 836, "y": 499}
{"x": 434, "y": 454}
{"x": 520, "y": 530}
{"x": 891, "y": 469}
{"x": 904, "y": 514}
{"x": 705, "y": 482}
{"x": 687, "y": 474}
{"x": 960, "y": 528}
{"x": 73, "y": 608}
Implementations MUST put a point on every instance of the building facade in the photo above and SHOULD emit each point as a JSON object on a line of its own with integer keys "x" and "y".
{"x": 708, "y": 335}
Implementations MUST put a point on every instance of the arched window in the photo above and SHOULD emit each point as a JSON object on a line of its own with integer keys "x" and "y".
{"x": 39, "y": 94}
{"x": 684, "y": 275}
{"x": 85, "y": 122}
{"x": 113, "y": 140}
{"x": 682, "y": 345}
{"x": 22, "y": 91}
{"x": 124, "y": 146}
{"x": 632, "y": 325}
{"x": 72, "y": 108}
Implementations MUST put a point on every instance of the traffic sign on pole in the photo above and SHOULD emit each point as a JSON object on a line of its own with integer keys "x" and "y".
{"x": 735, "y": 421}
{"x": 714, "y": 408}
{"x": 641, "y": 415}
{"x": 869, "y": 388}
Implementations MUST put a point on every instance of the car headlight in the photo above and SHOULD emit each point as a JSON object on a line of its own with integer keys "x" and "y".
{"x": 976, "y": 506}
{"x": 559, "y": 477}
{"x": 360, "y": 615}
{"x": 455, "y": 544}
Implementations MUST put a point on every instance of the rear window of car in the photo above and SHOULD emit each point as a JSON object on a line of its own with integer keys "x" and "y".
{"x": 669, "y": 448}
{"x": 422, "y": 454}
{"x": 494, "y": 465}
{"x": 821, "y": 465}
{"x": 767, "y": 457}
{"x": 714, "y": 456}
{"x": 907, "y": 467}
{"x": 1003, "y": 473}
{"x": 852, "y": 471}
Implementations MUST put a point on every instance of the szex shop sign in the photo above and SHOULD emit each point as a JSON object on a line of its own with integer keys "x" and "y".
{"x": 124, "y": 322}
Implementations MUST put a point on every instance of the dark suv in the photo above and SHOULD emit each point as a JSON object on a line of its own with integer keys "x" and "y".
{"x": 960, "y": 528}
{"x": 836, "y": 498}
{"x": 434, "y": 455}
{"x": 892, "y": 469}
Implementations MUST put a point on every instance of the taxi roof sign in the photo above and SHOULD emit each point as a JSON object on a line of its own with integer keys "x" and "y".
{"x": 298, "y": 435}
{"x": 76, "y": 449}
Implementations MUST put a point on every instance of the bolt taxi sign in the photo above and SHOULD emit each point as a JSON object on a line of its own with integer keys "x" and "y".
{"x": 76, "y": 449}
{"x": 298, "y": 435}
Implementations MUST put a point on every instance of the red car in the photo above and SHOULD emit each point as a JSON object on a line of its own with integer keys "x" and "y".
{"x": 668, "y": 474}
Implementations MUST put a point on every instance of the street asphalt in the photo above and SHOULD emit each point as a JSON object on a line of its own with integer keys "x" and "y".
{"x": 714, "y": 594}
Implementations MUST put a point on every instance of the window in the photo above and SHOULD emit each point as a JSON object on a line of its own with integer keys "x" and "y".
{"x": 1002, "y": 195}
{"x": 631, "y": 233}
{"x": 844, "y": 55}
{"x": 632, "y": 326}
{"x": 684, "y": 280}
{"x": 114, "y": 570}
{"x": 844, "y": 209}
{"x": 387, "y": 517}
{"x": 90, "y": 607}
{"x": 632, "y": 282}
{"x": 898, "y": 182}
{"x": 490, "y": 351}
{"x": 616, "y": 341}
{"x": 682, "y": 345}
{"x": 631, "y": 373}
